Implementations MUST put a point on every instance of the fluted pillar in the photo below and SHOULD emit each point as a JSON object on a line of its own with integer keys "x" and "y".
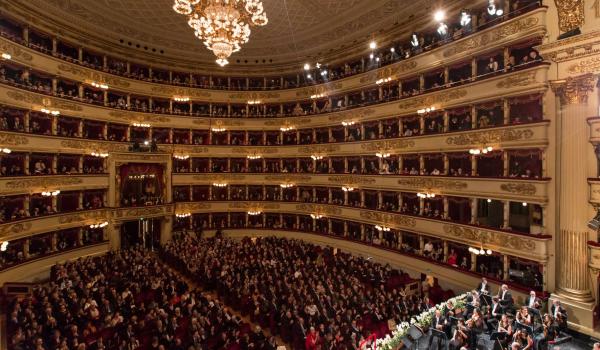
{"x": 574, "y": 210}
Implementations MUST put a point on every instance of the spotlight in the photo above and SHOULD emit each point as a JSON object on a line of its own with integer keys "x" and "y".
{"x": 465, "y": 18}
{"x": 371, "y": 56}
{"x": 414, "y": 40}
{"x": 306, "y": 66}
{"x": 439, "y": 16}
{"x": 392, "y": 50}
{"x": 372, "y": 45}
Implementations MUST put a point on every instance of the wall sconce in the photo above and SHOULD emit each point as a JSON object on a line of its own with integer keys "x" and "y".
{"x": 183, "y": 215}
{"x": 484, "y": 150}
{"x": 6, "y": 56}
{"x": 426, "y": 195}
{"x": 6, "y": 150}
{"x": 181, "y": 156}
{"x": 316, "y": 157}
{"x": 219, "y": 184}
{"x": 254, "y": 102}
{"x": 383, "y": 81}
{"x": 253, "y": 156}
{"x": 3, "y": 246}
{"x": 382, "y": 228}
{"x": 317, "y": 95}
{"x": 254, "y": 212}
{"x": 382, "y": 155}
{"x": 99, "y": 85}
{"x": 181, "y": 99}
{"x": 217, "y": 129}
{"x": 51, "y": 193}
{"x": 141, "y": 125}
{"x": 350, "y": 123}
{"x": 347, "y": 189}
{"x": 99, "y": 154}
{"x": 316, "y": 216}
{"x": 426, "y": 110}
{"x": 286, "y": 185}
{"x": 480, "y": 251}
{"x": 286, "y": 128}
{"x": 50, "y": 111}
{"x": 100, "y": 225}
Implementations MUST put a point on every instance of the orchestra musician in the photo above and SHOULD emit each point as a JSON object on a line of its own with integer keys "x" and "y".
{"x": 483, "y": 287}
{"x": 440, "y": 323}
{"x": 549, "y": 333}
{"x": 559, "y": 314}
{"x": 505, "y": 297}
{"x": 461, "y": 336}
{"x": 532, "y": 301}
{"x": 524, "y": 339}
{"x": 493, "y": 314}
{"x": 524, "y": 317}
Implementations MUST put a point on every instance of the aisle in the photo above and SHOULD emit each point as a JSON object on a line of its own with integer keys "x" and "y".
{"x": 214, "y": 295}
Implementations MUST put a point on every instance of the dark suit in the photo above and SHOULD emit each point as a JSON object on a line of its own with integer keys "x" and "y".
{"x": 505, "y": 299}
{"x": 486, "y": 288}
{"x": 537, "y": 302}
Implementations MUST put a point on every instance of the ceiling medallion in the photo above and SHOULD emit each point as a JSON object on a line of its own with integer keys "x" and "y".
{"x": 223, "y": 25}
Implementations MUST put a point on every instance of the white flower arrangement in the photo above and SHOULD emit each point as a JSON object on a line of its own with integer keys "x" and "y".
{"x": 422, "y": 321}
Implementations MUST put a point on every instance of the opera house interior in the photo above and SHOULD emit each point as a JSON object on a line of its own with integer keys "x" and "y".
{"x": 299, "y": 174}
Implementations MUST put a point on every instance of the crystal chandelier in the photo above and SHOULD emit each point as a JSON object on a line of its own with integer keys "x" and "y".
{"x": 223, "y": 25}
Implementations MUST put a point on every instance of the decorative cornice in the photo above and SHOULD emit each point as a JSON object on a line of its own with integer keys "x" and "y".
{"x": 318, "y": 149}
{"x": 570, "y": 14}
{"x": 93, "y": 75}
{"x": 47, "y": 182}
{"x": 254, "y": 150}
{"x": 590, "y": 65}
{"x": 351, "y": 114}
{"x": 180, "y": 91}
{"x": 488, "y": 237}
{"x": 385, "y": 218}
{"x": 351, "y": 180}
{"x": 491, "y": 136}
{"x": 322, "y": 209}
{"x": 139, "y": 117}
{"x": 94, "y": 146}
{"x": 43, "y": 101}
{"x": 574, "y": 90}
{"x": 143, "y": 211}
{"x": 219, "y": 177}
{"x": 288, "y": 178}
{"x": 388, "y": 72}
{"x": 192, "y": 207}
{"x": 84, "y": 216}
{"x": 521, "y": 79}
{"x": 432, "y": 99}
{"x": 14, "y": 228}
{"x": 317, "y": 90}
{"x": 13, "y": 140}
{"x": 387, "y": 145}
{"x": 286, "y": 122}
{"x": 253, "y": 205}
{"x": 254, "y": 95}
{"x": 476, "y": 41}
{"x": 519, "y": 188}
{"x": 427, "y": 183}
{"x": 15, "y": 51}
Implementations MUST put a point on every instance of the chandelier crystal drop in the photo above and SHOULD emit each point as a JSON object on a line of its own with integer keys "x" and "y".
{"x": 222, "y": 25}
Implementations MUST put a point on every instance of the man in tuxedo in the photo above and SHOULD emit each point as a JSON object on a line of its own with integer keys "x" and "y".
{"x": 532, "y": 301}
{"x": 494, "y": 314}
{"x": 440, "y": 323}
{"x": 559, "y": 314}
{"x": 483, "y": 287}
{"x": 505, "y": 297}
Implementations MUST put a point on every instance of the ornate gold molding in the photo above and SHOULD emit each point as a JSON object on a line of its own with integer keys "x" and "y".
{"x": 521, "y": 79}
{"x": 387, "y": 72}
{"x": 254, "y": 95}
{"x": 316, "y": 90}
{"x": 387, "y": 219}
{"x": 82, "y": 217}
{"x": 574, "y": 90}
{"x": 488, "y": 237}
{"x": 219, "y": 177}
{"x": 323, "y": 209}
{"x": 288, "y": 178}
{"x": 491, "y": 136}
{"x": 94, "y": 146}
{"x": 139, "y": 117}
{"x": 352, "y": 114}
{"x": 426, "y": 183}
{"x": 351, "y": 180}
{"x": 591, "y": 65}
{"x": 497, "y": 34}
{"x": 13, "y": 140}
{"x": 93, "y": 75}
{"x": 253, "y": 205}
{"x": 432, "y": 99}
{"x": 570, "y": 14}
{"x": 318, "y": 149}
{"x": 386, "y": 145}
{"x": 254, "y": 150}
{"x": 43, "y": 101}
{"x": 285, "y": 122}
{"x": 519, "y": 188}
{"x": 179, "y": 91}
{"x": 15, "y": 51}
{"x": 192, "y": 207}
{"x": 43, "y": 182}
{"x": 14, "y": 228}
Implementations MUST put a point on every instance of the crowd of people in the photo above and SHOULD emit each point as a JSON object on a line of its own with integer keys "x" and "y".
{"x": 125, "y": 300}
{"x": 312, "y": 297}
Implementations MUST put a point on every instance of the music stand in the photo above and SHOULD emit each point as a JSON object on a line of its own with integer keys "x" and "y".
{"x": 441, "y": 335}
{"x": 535, "y": 312}
{"x": 415, "y": 333}
{"x": 487, "y": 300}
{"x": 528, "y": 329}
{"x": 498, "y": 336}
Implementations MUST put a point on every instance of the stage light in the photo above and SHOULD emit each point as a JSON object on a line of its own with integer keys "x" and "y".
{"x": 439, "y": 16}
{"x": 372, "y": 45}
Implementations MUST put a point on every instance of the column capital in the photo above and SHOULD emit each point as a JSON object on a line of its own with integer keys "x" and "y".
{"x": 574, "y": 90}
